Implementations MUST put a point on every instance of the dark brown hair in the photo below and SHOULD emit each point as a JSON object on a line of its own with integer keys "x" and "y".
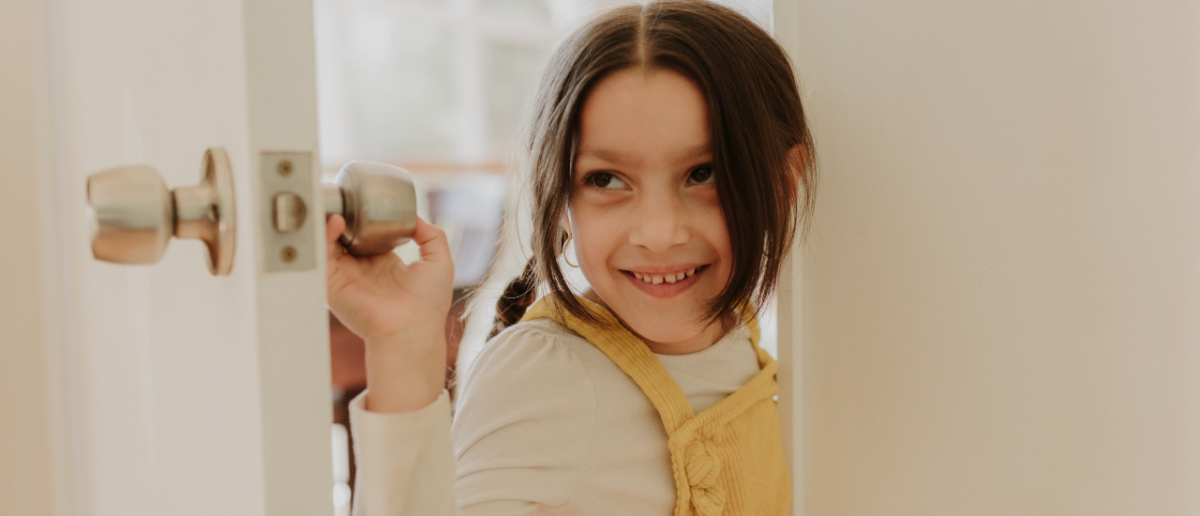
{"x": 755, "y": 118}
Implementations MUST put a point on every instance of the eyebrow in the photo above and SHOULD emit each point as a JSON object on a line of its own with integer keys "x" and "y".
{"x": 620, "y": 158}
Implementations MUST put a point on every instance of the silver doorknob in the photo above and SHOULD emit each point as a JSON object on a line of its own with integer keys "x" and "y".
{"x": 134, "y": 215}
{"x": 379, "y": 204}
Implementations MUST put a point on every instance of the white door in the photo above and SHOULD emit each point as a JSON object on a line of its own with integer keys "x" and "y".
{"x": 168, "y": 390}
{"x": 997, "y": 308}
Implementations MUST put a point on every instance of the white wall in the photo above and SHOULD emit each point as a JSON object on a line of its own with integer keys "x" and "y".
{"x": 998, "y": 306}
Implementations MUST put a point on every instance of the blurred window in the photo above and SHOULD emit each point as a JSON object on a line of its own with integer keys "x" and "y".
{"x": 431, "y": 85}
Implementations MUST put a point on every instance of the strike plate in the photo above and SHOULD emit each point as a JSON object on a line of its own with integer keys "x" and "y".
{"x": 287, "y": 211}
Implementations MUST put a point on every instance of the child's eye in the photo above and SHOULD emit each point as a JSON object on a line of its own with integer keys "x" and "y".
{"x": 604, "y": 180}
{"x": 702, "y": 174}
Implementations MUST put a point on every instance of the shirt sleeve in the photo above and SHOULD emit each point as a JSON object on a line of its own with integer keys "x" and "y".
{"x": 405, "y": 463}
{"x": 519, "y": 441}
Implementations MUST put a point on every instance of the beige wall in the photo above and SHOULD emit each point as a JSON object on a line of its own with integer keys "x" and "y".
{"x": 998, "y": 306}
{"x": 26, "y": 454}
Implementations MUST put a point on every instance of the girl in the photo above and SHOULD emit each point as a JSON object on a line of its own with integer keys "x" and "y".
{"x": 668, "y": 149}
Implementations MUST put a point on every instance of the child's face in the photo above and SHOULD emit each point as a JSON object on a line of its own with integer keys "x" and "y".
{"x": 644, "y": 205}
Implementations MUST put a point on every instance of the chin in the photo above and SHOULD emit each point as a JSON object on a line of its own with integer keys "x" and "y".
{"x": 666, "y": 321}
{"x": 658, "y": 328}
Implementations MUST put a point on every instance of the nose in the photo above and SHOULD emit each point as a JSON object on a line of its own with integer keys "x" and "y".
{"x": 660, "y": 221}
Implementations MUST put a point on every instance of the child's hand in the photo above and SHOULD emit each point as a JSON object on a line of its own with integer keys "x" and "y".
{"x": 379, "y": 296}
{"x": 399, "y": 310}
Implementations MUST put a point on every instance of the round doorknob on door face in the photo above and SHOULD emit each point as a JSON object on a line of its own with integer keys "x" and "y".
{"x": 379, "y": 204}
{"x": 134, "y": 215}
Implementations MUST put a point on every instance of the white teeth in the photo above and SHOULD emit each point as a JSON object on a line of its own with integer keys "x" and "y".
{"x": 669, "y": 278}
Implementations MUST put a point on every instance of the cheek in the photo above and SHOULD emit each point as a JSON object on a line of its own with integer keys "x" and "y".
{"x": 593, "y": 247}
{"x": 708, "y": 205}
{"x": 716, "y": 231}
{"x": 720, "y": 241}
{"x": 707, "y": 195}
{"x": 713, "y": 223}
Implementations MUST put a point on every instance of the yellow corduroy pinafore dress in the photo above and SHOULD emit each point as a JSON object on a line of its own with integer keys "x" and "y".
{"x": 728, "y": 459}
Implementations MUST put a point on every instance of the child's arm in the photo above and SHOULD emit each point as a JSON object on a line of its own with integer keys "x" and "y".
{"x": 405, "y": 461}
{"x": 520, "y": 439}
{"x": 526, "y": 430}
{"x": 400, "y": 311}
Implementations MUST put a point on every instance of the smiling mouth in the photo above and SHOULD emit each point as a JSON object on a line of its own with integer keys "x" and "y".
{"x": 655, "y": 279}
{"x": 665, "y": 285}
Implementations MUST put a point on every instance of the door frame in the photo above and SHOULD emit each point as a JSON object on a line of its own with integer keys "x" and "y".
{"x": 785, "y": 27}
{"x": 36, "y": 443}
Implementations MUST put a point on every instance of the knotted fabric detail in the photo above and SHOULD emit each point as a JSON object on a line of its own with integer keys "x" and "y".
{"x": 702, "y": 469}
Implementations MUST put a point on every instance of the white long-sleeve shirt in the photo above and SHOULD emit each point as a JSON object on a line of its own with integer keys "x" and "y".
{"x": 545, "y": 424}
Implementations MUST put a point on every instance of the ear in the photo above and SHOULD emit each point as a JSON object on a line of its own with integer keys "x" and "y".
{"x": 564, "y": 222}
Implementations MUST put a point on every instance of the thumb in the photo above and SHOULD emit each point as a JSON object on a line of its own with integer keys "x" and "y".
{"x": 434, "y": 246}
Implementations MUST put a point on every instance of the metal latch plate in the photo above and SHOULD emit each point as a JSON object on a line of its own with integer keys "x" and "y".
{"x": 286, "y": 194}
